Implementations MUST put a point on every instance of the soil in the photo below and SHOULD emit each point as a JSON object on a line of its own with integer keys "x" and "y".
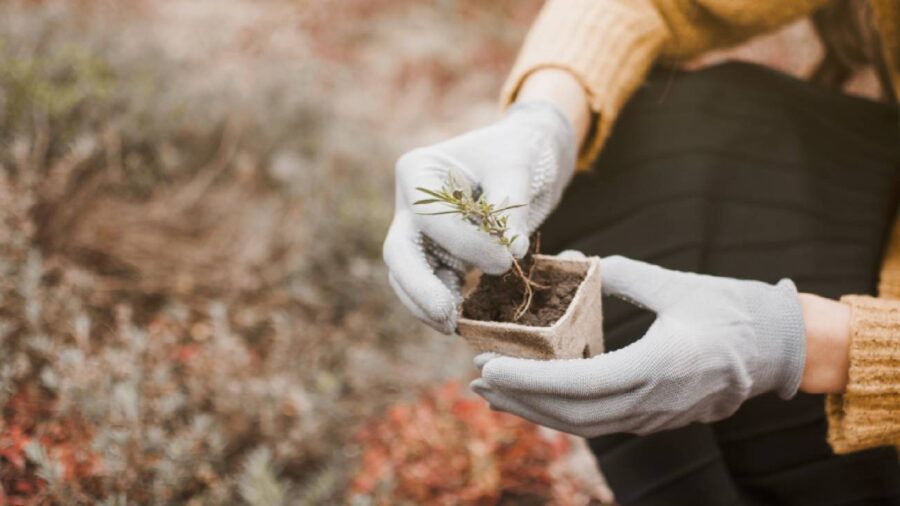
{"x": 497, "y": 297}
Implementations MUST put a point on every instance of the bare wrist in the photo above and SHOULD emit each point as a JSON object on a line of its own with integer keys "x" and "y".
{"x": 827, "y": 344}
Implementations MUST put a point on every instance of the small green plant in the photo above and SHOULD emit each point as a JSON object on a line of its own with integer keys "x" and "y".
{"x": 472, "y": 207}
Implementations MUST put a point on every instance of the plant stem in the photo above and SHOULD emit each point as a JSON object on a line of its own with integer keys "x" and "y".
{"x": 489, "y": 219}
{"x": 529, "y": 285}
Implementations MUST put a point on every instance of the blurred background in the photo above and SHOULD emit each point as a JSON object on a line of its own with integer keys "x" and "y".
{"x": 193, "y": 308}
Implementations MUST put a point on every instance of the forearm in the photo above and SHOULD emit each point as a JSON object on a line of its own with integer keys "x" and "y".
{"x": 563, "y": 90}
{"x": 827, "y": 345}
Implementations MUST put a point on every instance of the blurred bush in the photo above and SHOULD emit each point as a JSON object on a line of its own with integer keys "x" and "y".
{"x": 192, "y": 303}
{"x": 167, "y": 329}
{"x": 449, "y": 449}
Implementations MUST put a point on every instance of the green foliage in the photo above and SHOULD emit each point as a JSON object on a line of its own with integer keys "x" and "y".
{"x": 461, "y": 200}
{"x": 51, "y": 85}
{"x": 472, "y": 207}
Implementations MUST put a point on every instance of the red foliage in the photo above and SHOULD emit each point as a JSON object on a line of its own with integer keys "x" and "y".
{"x": 448, "y": 448}
{"x": 27, "y": 417}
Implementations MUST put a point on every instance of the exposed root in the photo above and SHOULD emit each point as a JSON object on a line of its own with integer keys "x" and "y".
{"x": 530, "y": 287}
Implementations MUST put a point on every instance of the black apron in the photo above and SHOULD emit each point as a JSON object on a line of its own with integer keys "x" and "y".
{"x": 740, "y": 171}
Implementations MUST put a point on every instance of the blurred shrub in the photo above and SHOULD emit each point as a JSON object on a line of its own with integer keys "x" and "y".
{"x": 174, "y": 317}
{"x": 193, "y": 308}
{"x": 450, "y": 449}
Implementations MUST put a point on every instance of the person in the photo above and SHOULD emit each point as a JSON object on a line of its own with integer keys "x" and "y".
{"x": 720, "y": 385}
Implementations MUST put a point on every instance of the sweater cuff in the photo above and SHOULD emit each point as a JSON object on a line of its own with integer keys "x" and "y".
{"x": 607, "y": 45}
{"x": 865, "y": 415}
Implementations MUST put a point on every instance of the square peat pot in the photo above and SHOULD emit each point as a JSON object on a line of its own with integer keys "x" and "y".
{"x": 578, "y": 333}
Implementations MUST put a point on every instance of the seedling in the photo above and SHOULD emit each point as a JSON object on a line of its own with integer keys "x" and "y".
{"x": 559, "y": 319}
{"x": 472, "y": 207}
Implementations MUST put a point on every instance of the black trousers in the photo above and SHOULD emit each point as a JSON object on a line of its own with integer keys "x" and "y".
{"x": 740, "y": 171}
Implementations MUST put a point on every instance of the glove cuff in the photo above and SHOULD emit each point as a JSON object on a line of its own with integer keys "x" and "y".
{"x": 781, "y": 334}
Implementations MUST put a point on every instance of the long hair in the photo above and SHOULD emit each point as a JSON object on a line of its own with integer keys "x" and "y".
{"x": 848, "y": 35}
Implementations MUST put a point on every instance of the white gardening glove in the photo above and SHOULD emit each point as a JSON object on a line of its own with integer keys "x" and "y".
{"x": 526, "y": 158}
{"x": 715, "y": 343}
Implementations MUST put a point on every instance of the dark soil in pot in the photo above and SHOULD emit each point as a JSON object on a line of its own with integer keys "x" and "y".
{"x": 497, "y": 297}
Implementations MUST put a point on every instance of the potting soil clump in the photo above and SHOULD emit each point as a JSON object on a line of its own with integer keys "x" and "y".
{"x": 498, "y": 297}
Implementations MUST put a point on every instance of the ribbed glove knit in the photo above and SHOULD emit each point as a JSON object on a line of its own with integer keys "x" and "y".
{"x": 716, "y": 342}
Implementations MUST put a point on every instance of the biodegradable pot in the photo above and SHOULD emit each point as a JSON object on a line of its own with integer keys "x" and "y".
{"x": 578, "y": 333}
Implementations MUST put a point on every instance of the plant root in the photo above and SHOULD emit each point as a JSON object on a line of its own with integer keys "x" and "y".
{"x": 530, "y": 287}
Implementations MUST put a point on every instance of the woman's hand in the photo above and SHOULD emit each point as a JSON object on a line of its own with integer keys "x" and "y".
{"x": 715, "y": 343}
{"x": 524, "y": 159}
{"x": 527, "y": 158}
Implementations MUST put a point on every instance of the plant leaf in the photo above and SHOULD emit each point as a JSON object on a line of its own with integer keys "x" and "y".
{"x": 432, "y": 193}
{"x": 507, "y": 208}
{"x": 427, "y": 201}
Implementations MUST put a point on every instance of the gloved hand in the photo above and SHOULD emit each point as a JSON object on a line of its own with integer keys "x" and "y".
{"x": 715, "y": 343}
{"x": 526, "y": 158}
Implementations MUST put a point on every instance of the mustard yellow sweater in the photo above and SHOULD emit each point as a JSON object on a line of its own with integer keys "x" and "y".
{"x": 609, "y": 45}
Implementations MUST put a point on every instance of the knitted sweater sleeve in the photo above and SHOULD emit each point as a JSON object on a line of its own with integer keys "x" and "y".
{"x": 868, "y": 413}
{"x": 609, "y": 45}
